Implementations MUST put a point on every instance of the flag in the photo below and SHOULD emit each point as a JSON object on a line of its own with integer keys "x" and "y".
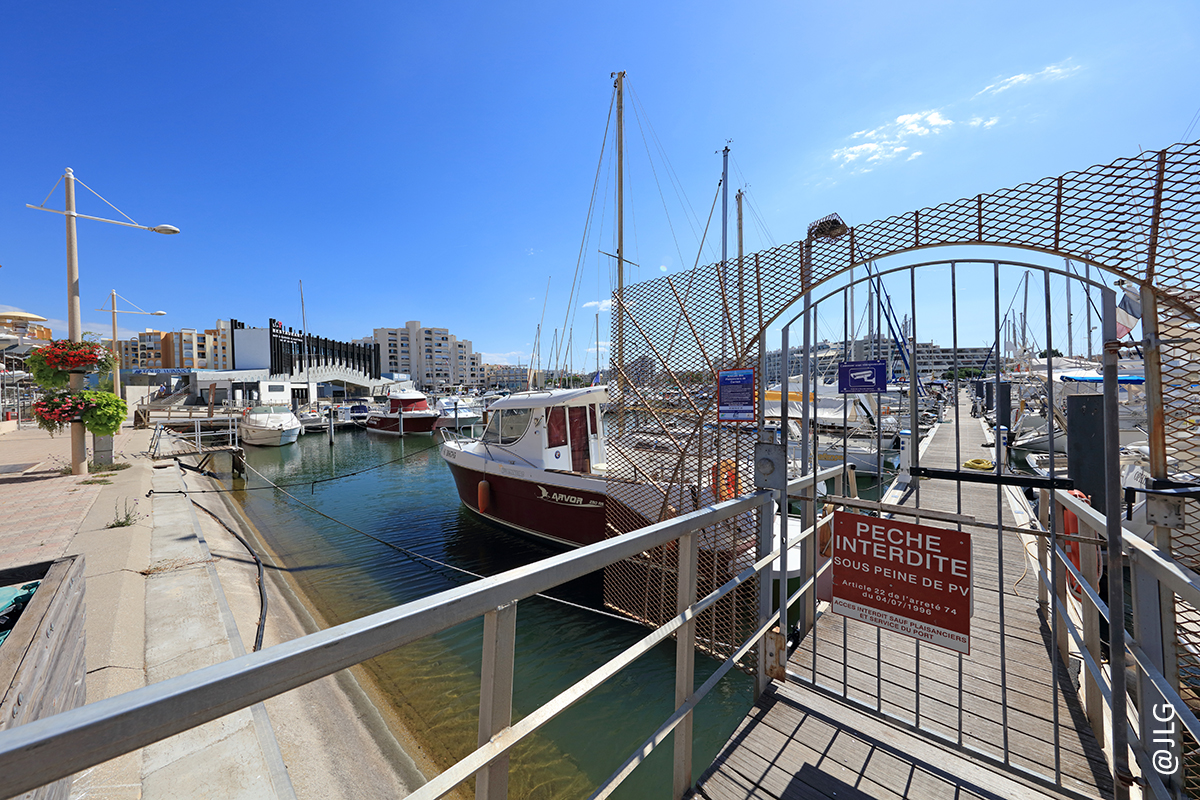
{"x": 596, "y": 379}
{"x": 1129, "y": 310}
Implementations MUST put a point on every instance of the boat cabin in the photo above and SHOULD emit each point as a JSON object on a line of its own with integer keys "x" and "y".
{"x": 561, "y": 430}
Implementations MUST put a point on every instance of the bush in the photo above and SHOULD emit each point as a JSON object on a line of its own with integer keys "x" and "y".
{"x": 102, "y": 413}
{"x": 105, "y": 412}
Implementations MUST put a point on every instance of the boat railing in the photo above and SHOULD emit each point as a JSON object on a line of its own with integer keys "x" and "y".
{"x": 1068, "y": 582}
{"x": 46, "y": 750}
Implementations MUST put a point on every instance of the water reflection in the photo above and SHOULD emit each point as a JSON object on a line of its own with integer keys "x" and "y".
{"x": 433, "y": 684}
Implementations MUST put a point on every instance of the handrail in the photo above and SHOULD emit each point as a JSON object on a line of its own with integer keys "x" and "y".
{"x": 1146, "y": 561}
{"x": 46, "y": 750}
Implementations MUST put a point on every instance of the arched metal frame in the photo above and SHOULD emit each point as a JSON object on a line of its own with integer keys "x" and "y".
{"x": 808, "y": 566}
{"x": 1136, "y": 217}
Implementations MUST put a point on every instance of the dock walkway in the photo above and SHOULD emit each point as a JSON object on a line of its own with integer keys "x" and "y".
{"x": 871, "y": 713}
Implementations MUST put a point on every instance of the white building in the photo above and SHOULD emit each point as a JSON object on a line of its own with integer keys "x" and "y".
{"x": 436, "y": 359}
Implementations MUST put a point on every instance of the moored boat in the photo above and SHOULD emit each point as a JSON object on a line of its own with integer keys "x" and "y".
{"x": 269, "y": 426}
{"x": 539, "y": 466}
{"x": 407, "y": 411}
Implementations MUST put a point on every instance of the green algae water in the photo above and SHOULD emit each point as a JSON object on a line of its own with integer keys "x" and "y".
{"x": 433, "y": 685}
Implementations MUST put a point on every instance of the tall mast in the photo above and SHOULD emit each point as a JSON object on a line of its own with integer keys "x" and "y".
{"x": 724, "y": 233}
{"x": 1087, "y": 290}
{"x": 740, "y": 277}
{"x": 620, "y": 309}
{"x": 1070, "y": 344}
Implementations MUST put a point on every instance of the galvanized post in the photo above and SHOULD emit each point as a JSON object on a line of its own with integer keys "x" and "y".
{"x": 1058, "y": 575}
{"x": 495, "y": 695}
{"x": 685, "y": 662}
{"x": 1122, "y": 777}
{"x": 1089, "y": 568}
{"x": 1043, "y": 549}
{"x": 1153, "y": 608}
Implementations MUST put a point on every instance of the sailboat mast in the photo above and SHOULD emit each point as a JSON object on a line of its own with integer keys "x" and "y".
{"x": 620, "y": 309}
{"x": 740, "y": 277}
{"x": 304, "y": 337}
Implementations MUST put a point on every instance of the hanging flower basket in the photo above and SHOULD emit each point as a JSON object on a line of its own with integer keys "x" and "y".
{"x": 52, "y": 364}
{"x": 102, "y": 413}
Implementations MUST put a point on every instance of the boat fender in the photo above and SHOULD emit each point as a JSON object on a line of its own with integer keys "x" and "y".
{"x": 484, "y": 496}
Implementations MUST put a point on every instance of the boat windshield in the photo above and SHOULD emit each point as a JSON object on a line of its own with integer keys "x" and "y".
{"x": 270, "y": 410}
{"x": 507, "y": 426}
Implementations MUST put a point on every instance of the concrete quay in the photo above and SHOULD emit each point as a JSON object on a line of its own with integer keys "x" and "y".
{"x": 175, "y": 591}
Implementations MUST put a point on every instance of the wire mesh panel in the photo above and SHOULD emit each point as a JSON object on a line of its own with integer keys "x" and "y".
{"x": 668, "y": 454}
{"x": 1136, "y": 217}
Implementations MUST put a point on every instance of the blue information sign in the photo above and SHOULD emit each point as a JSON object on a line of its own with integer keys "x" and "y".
{"x": 862, "y": 376}
{"x": 735, "y": 395}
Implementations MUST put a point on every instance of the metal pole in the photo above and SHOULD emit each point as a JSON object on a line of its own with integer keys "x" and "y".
{"x": 784, "y": 387}
{"x": 115, "y": 351}
{"x": 74, "y": 323}
{"x": 685, "y": 662}
{"x": 620, "y": 366}
{"x": 1122, "y": 777}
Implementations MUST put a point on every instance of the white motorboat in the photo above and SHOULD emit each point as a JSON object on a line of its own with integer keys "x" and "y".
{"x": 269, "y": 426}
{"x": 456, "y": 411}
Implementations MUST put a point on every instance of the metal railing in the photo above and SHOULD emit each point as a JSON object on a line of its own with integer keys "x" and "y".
{"x": 46, "y": 750}
{"x": 1157, "y": 714}
{"x": 206, "y": 435}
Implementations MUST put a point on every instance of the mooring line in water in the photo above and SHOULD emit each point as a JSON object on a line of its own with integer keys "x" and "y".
{"x": 311, "y": 484}
{"x": 414, "y": 554}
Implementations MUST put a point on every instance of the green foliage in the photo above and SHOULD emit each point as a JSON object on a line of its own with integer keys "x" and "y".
{"x": 124, "y": 520}
{"x": 963, "y": 372}
{"x": 51, "y": 365}
{"x": 105, "y": 412}
{"x": 1053, "y": 351}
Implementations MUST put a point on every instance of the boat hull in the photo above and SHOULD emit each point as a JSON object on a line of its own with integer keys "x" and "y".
{"x": 263, "y": 437}
{"x": 389, "y": 423}
{"x": 565, "y": 515}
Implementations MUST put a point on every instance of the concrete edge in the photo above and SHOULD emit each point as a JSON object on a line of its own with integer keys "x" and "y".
{"x": 280, "y": 781}
{"x": 362, "y": 699}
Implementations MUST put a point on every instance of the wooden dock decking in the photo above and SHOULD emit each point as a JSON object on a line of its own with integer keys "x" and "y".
{"x": 872, "y": 713}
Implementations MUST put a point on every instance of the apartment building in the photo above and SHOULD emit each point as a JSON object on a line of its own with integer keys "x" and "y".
{"x": 436, "y": 359}
{"x": 186, "y": 348}
{"x": 506, "y": 376}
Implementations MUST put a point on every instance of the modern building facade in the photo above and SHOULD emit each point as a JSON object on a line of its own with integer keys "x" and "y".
{"x": 436, "y": 359}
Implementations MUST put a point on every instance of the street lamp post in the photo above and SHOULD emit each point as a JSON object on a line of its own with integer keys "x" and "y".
{"x": 74, "y": 317}
{"x": 115, "y": 349}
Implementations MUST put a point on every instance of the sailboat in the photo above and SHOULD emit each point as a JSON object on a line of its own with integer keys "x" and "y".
{"x": 540, "y": 465}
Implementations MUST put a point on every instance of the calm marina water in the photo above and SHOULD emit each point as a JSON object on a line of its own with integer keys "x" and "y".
{"x": 433, "y": 685}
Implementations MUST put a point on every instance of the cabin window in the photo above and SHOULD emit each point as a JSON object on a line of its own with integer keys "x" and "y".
{"x": 556, "y": 427}
{"x": 507, "y": 425}
{"x": 276, "y": 387}
{"x": 592, "y": 419}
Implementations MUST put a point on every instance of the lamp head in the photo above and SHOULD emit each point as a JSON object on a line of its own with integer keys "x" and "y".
{"x": 165, "y": 229}
{"x": 158, "y": 313}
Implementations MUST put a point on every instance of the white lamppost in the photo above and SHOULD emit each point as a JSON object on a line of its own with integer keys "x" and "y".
{"x": 115, "y": 349}
{"x": 74, "y": 318}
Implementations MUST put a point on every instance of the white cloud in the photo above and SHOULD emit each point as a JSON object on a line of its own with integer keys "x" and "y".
{"x": 915, "y": 153}
{"x": 889, "y": 141}
{"x": 601, "y": 305}
{"x": 604, "y": 347}
{"x": 980, "y": 122}
{"x": 1053, "y": 72}
{"x": 510, "y": 358}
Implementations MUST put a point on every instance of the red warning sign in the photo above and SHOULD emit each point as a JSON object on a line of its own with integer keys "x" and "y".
{"x": 911, "y": 579}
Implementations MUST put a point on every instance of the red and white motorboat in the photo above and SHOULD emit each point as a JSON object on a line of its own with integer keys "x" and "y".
{"x": 407, "y": 411}
{"x": 539, "y": 466}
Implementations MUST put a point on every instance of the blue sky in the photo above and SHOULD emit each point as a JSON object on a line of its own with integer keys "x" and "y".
{"x": 435, "y": 161}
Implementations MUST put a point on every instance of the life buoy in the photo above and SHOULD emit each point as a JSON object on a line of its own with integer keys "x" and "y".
{"x": 1073, "y": 549}
{"x": 725, "y": 480}
{"x": 483, "y": 496}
